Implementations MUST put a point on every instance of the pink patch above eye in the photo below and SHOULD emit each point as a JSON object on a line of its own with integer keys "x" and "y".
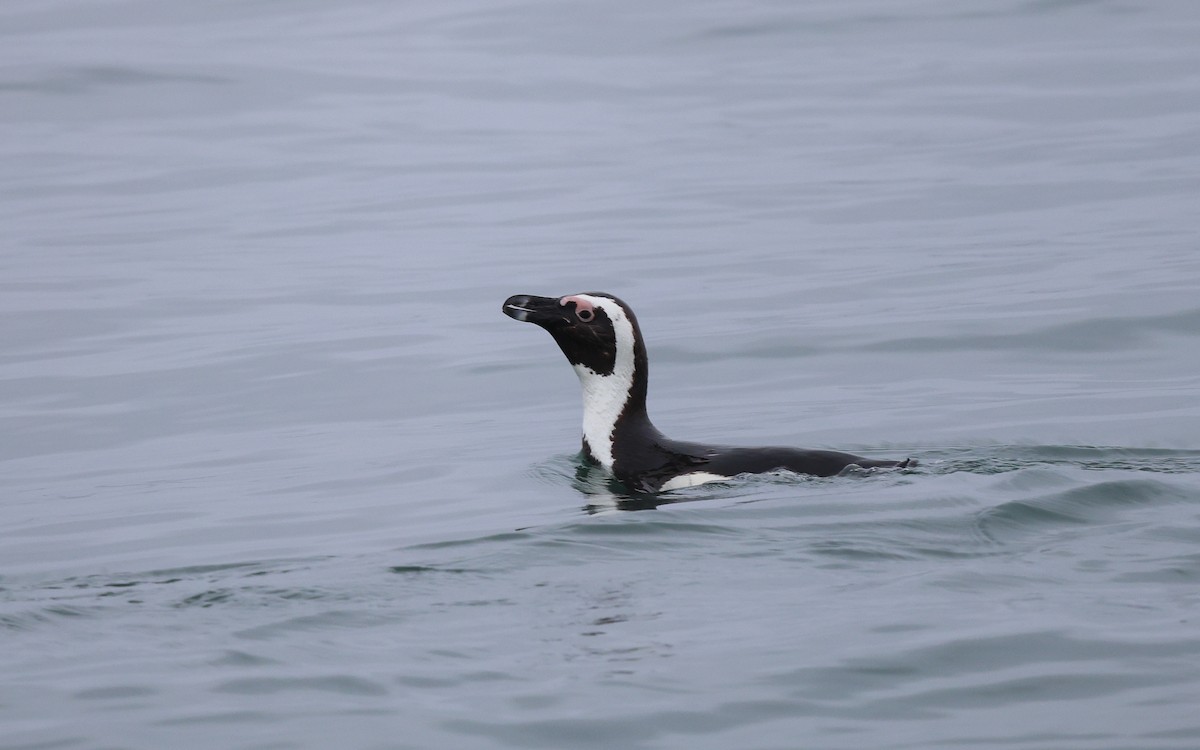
{"x": 581, "y": 306}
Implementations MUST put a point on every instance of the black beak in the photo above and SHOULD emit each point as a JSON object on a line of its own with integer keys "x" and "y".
{"x": 540, "y": 310}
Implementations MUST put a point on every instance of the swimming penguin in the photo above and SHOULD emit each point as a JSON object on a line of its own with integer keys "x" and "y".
{"x": 600, "y": 336}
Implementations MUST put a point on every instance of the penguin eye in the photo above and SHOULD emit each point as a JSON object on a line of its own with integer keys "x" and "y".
{"x": 585, "y": 315}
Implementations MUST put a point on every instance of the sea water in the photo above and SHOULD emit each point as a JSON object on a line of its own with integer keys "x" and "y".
{"x": 275, "y": 471}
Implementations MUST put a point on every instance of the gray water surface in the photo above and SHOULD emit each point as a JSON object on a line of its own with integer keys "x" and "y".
{"x": 275, "y": 472}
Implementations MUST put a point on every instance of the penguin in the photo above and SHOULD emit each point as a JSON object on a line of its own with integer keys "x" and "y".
{"x": 600, "y": 337}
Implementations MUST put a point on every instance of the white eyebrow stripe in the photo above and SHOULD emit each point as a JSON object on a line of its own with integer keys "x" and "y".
{"x": 582, "y": 302}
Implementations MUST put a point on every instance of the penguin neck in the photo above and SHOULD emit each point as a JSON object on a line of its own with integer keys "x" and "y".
{"x": 614, "y": 403}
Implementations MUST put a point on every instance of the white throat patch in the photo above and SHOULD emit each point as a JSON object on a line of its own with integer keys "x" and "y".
{"x": 604, "y": 396}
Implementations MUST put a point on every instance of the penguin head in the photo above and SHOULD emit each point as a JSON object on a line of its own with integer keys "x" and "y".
{"x": 600, "y": 337}
{"x": 594, "y": 329}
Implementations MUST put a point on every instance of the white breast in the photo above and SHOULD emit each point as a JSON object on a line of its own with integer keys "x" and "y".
{"x": 605, "y": 396}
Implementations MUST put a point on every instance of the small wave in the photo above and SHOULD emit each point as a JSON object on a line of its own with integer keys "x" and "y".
{"x": 1005, "y": 458}
{"x": 987, "y": 671}
{"x": 1093, "y": 335}
{"x": 240, "y": 584}
{"x": 1093, "y": 503}
{"x": 341, "y": 684}
{"x": 320, "y": 622}
{"x": 35, "y": 618}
